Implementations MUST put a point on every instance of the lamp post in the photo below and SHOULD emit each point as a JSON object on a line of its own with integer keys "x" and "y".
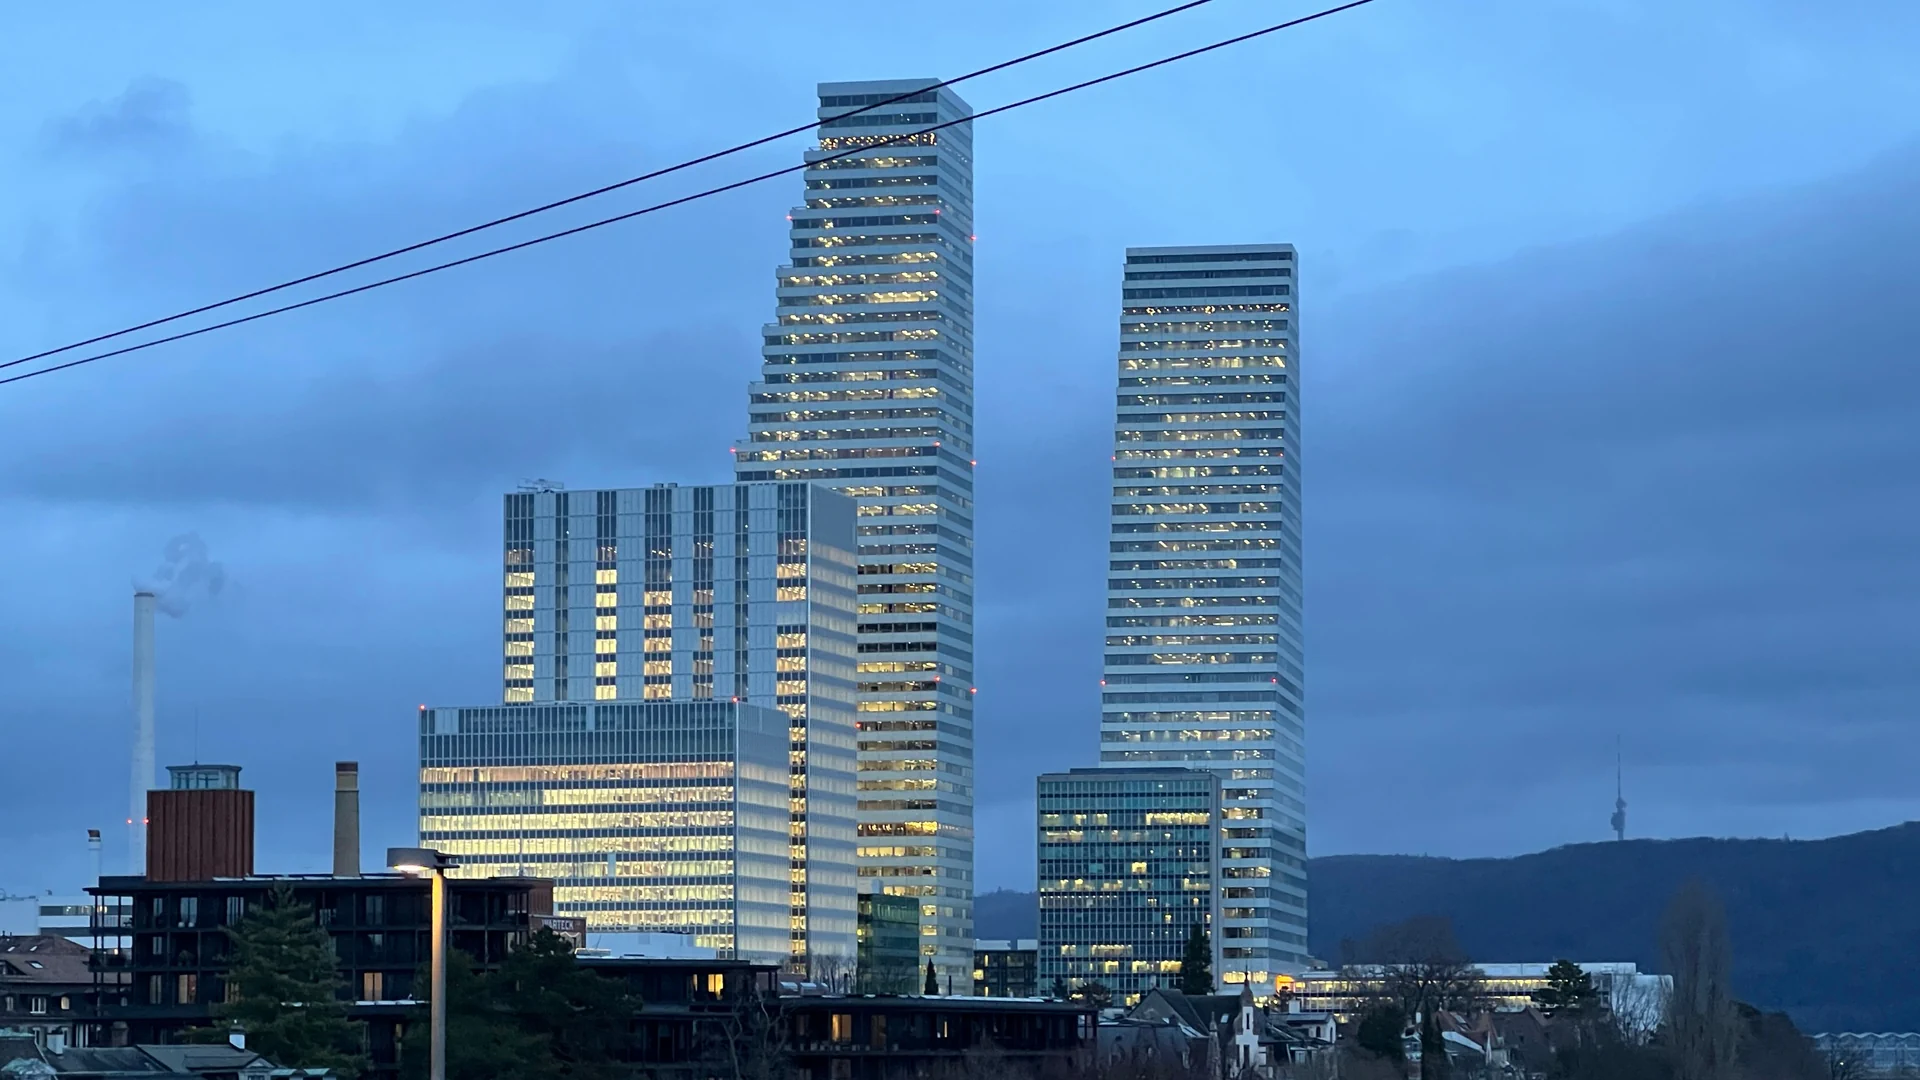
{"x": 432, "y": 864}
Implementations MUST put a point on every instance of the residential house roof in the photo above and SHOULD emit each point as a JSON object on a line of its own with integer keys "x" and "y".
{"x": 47, "y": 959}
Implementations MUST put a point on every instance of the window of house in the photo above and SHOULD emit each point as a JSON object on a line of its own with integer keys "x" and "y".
{"x": 877, "y": 1035}
{"x": 37, "y": 1005}
{"x": 188, "y": 989}
{"x": 156, "y": 990}
{"x": 66, "y": 1004}
{"x": 236, "y": 909}
{"x": 842, "y": 1027}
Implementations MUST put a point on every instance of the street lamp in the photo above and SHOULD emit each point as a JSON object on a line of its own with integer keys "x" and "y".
{"x": 427, "y": 862}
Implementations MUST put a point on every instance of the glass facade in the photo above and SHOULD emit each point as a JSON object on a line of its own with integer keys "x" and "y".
{"x": 1203, "y": 663}
{"x": 1352, "y": 990}
{"x": 867, "y": 384}
{"x": 732, "y": 592}
{"x": 1006, "y": 968}
{"x": 1127, "y": 866}
{"x": 889, "y": 944}
{"x": 651, "y": 816}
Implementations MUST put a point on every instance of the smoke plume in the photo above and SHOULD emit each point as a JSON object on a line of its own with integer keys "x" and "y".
{"x": 185, "y": 572}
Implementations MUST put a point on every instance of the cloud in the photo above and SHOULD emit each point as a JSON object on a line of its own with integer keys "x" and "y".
{"x": 151, "y": 114}
{"x": 1661, "y": 483}
{"x": 411, "y": 440}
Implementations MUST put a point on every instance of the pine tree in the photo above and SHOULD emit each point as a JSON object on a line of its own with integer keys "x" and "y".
{"x": 932, "y": 987}
{"x": 1569, "y": 992}
{"x": 1058, "y": 991}
{"x": 481, "y": 1043}
{"x": 541, "y": 1016}
{"x": 285, "y": 989}
{"x": 580, "y": 1016}
{"x": 1196, "y": 967}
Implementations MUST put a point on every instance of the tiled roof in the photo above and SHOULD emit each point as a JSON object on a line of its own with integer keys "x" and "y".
{"x": 43, "y": 958}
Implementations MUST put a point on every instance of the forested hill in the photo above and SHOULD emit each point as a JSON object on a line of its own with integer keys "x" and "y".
{"x": 1825, "y": 929}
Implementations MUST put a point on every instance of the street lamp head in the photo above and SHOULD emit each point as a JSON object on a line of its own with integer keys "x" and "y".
{"x": 419, "y": 860}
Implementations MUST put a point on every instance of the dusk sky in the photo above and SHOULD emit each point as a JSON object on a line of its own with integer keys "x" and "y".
{"x": 1611, "y": 408}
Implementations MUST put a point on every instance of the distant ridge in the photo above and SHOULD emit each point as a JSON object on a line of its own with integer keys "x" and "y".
{"x": 1825, "y": 929}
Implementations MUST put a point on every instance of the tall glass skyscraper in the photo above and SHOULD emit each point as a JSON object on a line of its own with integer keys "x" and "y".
{"x": 725, "y": 593}
{"x": 1203, "y": 650}
{"x": 867, "y": 385}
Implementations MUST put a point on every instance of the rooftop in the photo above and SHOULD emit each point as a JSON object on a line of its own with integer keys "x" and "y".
{"x": 43, "y": 958}
{"x": 112, "y": 884}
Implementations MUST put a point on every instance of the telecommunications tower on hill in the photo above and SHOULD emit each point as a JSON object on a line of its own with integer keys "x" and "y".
{"x": 1619, "y": 797}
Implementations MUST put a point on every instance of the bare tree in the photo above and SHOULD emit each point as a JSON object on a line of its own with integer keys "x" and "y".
{"x": 748, "y": 1042}
{"x": 833, "y": 971}
{"x": 1703, "y": 1026}
{"x": 1846, "y": 1064}
{"x": 1425, "y": 972}
{"x": 1635, "y": 1007}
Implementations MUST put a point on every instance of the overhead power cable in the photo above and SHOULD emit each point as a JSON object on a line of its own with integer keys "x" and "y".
{"x": 605, "y": 189}
{"x": 704, "y": 194}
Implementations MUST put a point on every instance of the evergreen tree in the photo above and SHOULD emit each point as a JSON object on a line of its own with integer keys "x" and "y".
{"x": 932, "y": 986}
{"x": 481, "y": 1043}
{"x": 1569, "y": 993}
{"x": 540, "y": 1017}
{"x": 1095, "y": 994}
{"x": 1058, "y": 991}
{"x": 284, "y": 989}
{"x": 581, "y": 1018}
{"x": 1382, "y": 1032}
{"x": 1196, "y": 967}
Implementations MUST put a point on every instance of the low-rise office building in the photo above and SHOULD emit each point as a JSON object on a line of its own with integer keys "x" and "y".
{"x": 1128, "y": 861}
{"x": 648, "y": 816}
{"x": 889, "y": 954}
{"x": 1006, "y": 968}
{"x": 73, "y": 918}
{"x": 1872, "y": 1053}
{"x": 1348, "y": 991}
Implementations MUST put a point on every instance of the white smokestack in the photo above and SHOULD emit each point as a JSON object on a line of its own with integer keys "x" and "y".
{"x": 93, "y": 853}
{"x": 142, "y": 780}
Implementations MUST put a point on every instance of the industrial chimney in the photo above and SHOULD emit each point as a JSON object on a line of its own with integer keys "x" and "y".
{"x": 346, "y": 819}
{"x": 142, "y": 780}
{"x": 93, "y": 852}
